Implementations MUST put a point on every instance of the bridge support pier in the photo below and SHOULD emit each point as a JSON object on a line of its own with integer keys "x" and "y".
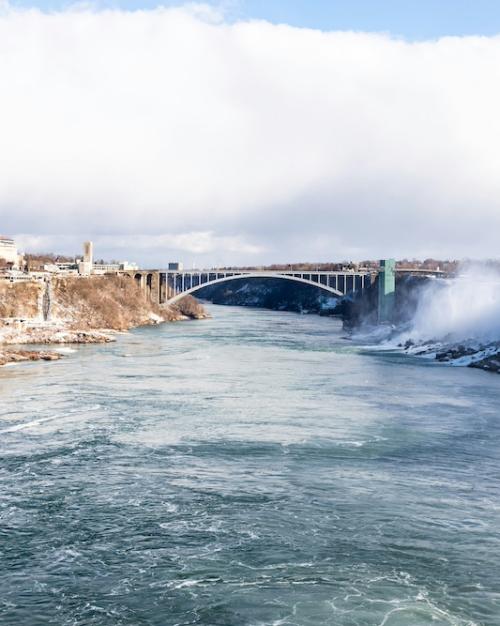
{"x": 386, "y": 291}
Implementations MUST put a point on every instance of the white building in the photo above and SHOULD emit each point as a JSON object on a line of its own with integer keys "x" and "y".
{"x": 86, "y": 266}
{"x": 9, "y": 253}
{"x": 109, "y": 268}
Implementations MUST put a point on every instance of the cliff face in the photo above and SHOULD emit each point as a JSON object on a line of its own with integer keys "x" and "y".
{"x": 271, "y": 293}
{"x": 113, "y": 302}
{"x": 362, "y": 310}
{"x": 19, "y": 299}
{"x": 81, "y": 310}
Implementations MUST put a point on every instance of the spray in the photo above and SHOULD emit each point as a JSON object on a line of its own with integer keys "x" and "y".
{"x": 461, "y": 309}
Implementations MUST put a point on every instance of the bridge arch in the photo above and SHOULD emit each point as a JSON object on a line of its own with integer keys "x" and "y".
{"x": 149, "y": 284}
{"x": 138, "y": 279}
{"x": 304, "y": 281}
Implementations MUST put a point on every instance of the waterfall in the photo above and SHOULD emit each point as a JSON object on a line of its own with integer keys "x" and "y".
{"x": 46, "y": 300}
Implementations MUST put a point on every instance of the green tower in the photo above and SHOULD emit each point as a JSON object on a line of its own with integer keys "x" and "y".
{"x": 386, "y": 290}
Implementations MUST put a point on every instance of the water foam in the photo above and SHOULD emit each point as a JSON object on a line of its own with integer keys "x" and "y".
{"x": 459, "y": 315}
{"x": 463, "y": 308}
{"x": 42, "y": 420}
{"x": 35, "y": 422}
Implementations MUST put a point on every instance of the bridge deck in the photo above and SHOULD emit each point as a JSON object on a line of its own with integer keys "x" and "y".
{"x": 170, "y": 285}
{"x": 179, "y": 283}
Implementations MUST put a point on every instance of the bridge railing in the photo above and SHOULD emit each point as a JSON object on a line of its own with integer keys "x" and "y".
{"x": 337, "y": 282}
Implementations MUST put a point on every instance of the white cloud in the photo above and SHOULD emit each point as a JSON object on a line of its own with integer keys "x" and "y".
{"x": 192, "y": 246}
{"x": 255, "y": 141}
{"x": 202, "y": 244}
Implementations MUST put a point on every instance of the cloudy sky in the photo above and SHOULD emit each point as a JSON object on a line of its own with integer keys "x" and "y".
{"x": 251, "y": 132}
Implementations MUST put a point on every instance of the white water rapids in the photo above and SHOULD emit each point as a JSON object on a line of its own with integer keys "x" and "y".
{"x": 460, "y": 314}
{"x": 463, "y": 308}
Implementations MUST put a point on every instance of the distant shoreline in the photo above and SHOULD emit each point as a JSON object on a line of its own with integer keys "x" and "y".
{"x": 82, "y": 311}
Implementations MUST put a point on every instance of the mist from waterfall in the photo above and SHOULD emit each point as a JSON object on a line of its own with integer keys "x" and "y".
{"x": 460, "y": 309}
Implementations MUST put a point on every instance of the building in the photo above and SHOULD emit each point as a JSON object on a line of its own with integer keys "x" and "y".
{"x": 109, "y": 268}
{"x": 86, "y": 266}
{"x": 61, "y": 268}
{"x": 9, "y": 256}
{"x": 176, "y": 266}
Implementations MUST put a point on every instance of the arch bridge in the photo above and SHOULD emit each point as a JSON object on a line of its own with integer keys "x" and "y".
{"x": 170, "y": 286}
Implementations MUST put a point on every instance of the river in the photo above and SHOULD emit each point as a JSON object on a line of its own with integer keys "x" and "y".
{"x": 254, "y": 469}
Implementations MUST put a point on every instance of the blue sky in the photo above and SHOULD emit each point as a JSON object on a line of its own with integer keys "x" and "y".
{"x": 412, "y": 19}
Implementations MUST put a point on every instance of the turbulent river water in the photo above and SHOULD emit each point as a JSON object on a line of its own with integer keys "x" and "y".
{"x": 255, "y": 469}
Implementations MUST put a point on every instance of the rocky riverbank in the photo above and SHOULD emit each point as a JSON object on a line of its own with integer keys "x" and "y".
{"x": 17, "y": 356}
{"x": 17, "y": 332}
{"x": 78, "y": 311}
{"x": 274, "y": 294}
{"x": 489, "y": 364}
{"x": 435, "y": 319}
{"x": 478, "y": 355}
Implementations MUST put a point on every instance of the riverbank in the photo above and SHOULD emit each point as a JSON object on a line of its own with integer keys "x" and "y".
{"x": 78, "y": 311}
{"x": 478, "y": 355}
{"x": 8, "y": 357}
{"x": 434, "y": 320}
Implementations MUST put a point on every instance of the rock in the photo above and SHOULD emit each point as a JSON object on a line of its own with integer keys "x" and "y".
{"x": 50, "y": 356}
{"x": 17, "y": 356}
{"x": 455, "y": 352}
{"x": 83, "y": 311}
{"x": 490, "y": 364}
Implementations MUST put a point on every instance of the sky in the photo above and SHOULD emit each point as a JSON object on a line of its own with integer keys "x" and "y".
{"x": 251, "y": 132}
{"x": 412, "y": 19}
